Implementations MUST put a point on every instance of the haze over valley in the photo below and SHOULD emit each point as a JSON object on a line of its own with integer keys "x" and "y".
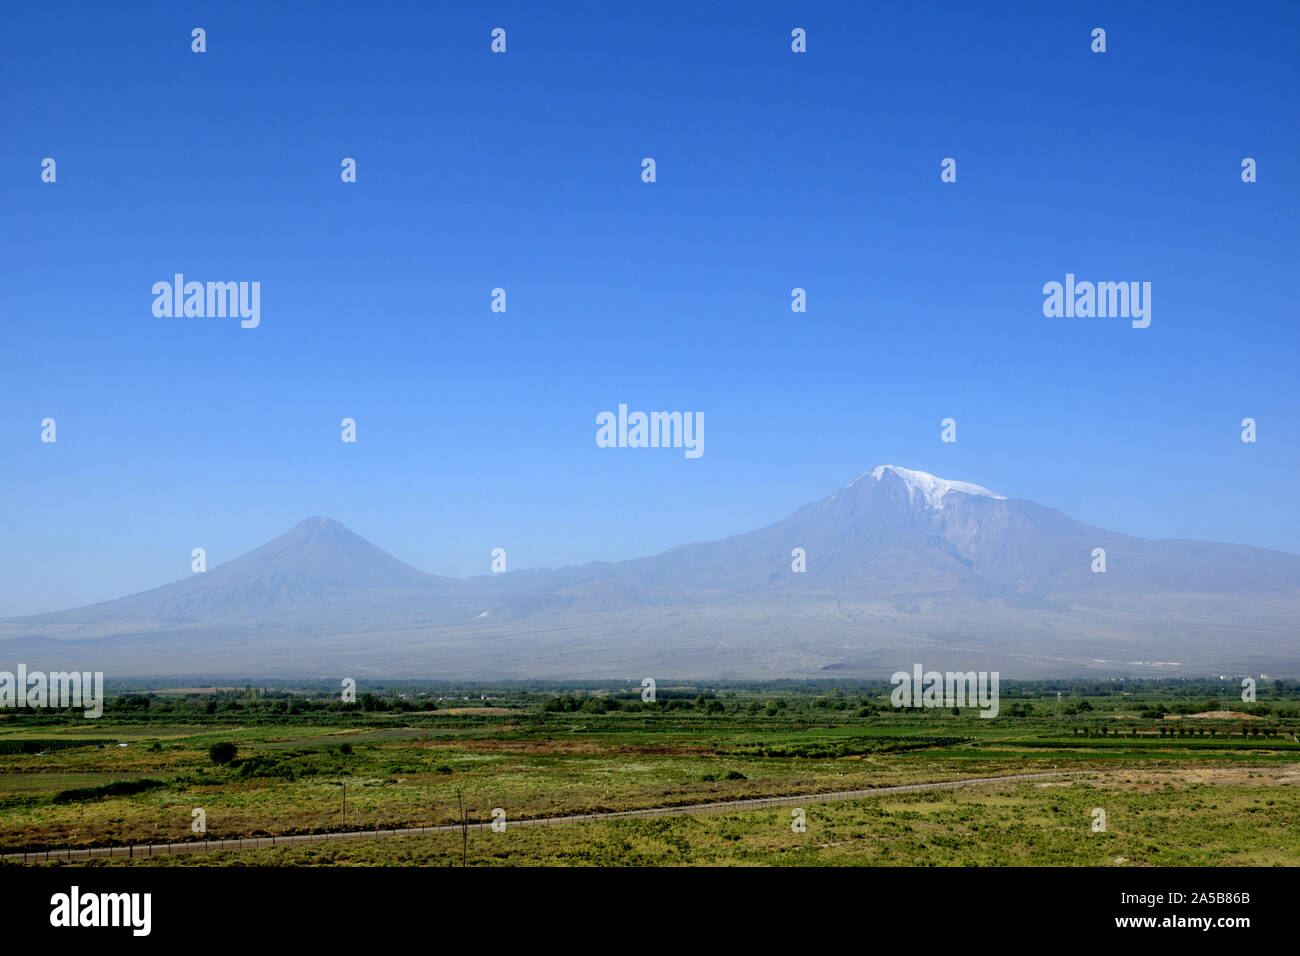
{"x": 901, "y": 566}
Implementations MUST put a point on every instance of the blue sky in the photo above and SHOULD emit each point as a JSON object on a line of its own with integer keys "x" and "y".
{"x": 775, "y": 170}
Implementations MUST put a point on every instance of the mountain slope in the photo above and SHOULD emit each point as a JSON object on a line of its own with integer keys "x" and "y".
{"x": 899, "y": 563}
{"x": 316, "y": 569}
{"x": 893, "y": 531}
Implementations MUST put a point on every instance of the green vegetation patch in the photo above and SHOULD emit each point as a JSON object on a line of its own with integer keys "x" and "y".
{"x": 13, "y": 745}
{"x": 118, "y": 788}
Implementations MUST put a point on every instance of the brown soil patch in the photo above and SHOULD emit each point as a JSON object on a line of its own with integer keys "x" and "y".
{"x": 1145, "y": 781}
{"x": 663, "y": 750}
{"x": 529, "y": 746}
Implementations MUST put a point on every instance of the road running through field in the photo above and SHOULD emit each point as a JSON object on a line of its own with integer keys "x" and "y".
{"x": 752, "y": 803}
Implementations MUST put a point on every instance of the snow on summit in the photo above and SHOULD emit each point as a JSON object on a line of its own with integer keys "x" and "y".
{"x": 933, "y": 489}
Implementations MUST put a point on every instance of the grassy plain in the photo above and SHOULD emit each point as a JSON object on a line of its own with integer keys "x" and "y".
{"x": 1172, "y": 793}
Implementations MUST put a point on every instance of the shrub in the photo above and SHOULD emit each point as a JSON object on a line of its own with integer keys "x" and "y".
{"x": 223, "y": 752}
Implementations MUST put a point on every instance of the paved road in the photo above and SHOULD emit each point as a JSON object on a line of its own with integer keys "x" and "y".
{"x": 753, "y": 803}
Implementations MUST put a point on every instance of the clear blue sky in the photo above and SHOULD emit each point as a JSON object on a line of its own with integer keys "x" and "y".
{"x": 477, "y": 430}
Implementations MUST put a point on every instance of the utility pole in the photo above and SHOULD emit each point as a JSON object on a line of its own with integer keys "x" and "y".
{"x": 345, "y": 804}
{"x": 464, "y": 830}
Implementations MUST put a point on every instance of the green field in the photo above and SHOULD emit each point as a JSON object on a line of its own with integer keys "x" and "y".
{"x": 1173, "y": 792}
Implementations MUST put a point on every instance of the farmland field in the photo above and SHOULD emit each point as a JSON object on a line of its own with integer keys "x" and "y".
{"x": 1181, "y": 778}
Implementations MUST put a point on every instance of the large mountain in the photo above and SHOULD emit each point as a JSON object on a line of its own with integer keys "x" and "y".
{"x": 901, "y": 568}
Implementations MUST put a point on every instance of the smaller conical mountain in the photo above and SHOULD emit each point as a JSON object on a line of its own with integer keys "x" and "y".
{"x": 316, "y": 568}
{"x": 316, "y": 558}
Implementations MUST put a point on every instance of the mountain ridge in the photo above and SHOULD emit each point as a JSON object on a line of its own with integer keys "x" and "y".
{"x": 895, "y": 560}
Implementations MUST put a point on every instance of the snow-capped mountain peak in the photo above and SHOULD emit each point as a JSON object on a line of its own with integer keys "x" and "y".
{"x": 932, "y": 489}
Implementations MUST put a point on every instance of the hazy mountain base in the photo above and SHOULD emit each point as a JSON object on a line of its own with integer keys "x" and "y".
{"x": 727, "y": 641}
{"x": 901, "y": 568}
